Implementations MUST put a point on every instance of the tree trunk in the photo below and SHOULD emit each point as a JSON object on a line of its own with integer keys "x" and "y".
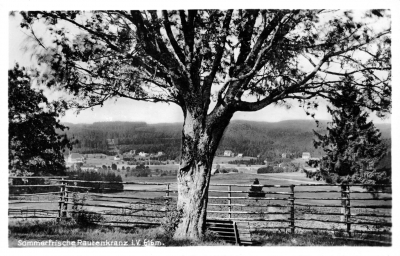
{"x": 199, "y": 142}
{"x": 192, "y": 201}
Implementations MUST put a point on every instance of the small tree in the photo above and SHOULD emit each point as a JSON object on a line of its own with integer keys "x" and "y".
{"x": 113, "y": 166}
{"x": 35, "y": 143}
{"x": 353, "y": 146}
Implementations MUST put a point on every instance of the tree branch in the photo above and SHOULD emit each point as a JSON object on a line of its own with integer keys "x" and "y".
{"x": 167, "y": 26}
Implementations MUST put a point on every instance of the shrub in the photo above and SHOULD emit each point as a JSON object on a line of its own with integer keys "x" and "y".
{"x": 141, "y": 173}
{"x": 267, "y": 169}
{"x": 82, "y": 217}
{"x": 171, "y": 220}
{"x": 228, "y": 170}
{"x": 95, "y": 176}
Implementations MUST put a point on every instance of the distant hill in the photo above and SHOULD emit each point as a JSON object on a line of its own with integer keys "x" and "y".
{"x": 248, "y": 137}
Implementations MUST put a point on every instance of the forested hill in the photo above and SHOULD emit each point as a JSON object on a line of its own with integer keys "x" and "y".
{"x": 247, "y": 137}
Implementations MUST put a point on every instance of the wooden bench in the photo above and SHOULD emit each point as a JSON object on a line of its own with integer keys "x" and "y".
{"x": 231, "y": 231}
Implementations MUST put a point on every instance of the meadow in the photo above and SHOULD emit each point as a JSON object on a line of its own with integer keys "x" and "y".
{"x": 261, "y": 214}
{"x": 42, "y": 231}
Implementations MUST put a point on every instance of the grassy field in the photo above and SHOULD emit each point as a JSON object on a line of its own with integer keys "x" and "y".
{"x": 259, "y": 208}
{"x": 23, "y": 234}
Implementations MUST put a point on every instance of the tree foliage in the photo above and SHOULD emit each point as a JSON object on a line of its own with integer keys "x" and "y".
{"x": 265, "y": 56}
{"x": 114, "y": 179}
{"x": 35, "y": 146}
{"x": 352, "y": 145}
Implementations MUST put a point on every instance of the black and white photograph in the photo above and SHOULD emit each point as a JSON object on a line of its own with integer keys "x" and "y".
{"x": 259, "y": 127}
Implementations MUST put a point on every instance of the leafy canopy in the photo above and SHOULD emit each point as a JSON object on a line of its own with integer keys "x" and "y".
{"x": 243, "y": 60}
{"x": 34, "y": 144}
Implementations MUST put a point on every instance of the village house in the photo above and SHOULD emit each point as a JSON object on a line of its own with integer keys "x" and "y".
{"x": 228, "y": 153}
{"x": 240, "y": 155}
{"x": 117, "y": 158}
{"x": 283, "y": 155}
{"x": 143, "y": 154}
{"x": 306, "y": 155}
{"x": 74, "y": 158}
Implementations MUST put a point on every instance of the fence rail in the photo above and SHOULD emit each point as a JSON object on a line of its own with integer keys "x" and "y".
{"x": 358, "y": 211}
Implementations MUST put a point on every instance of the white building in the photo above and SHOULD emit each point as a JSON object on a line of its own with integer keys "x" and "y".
{"x": 143, "y": 154}
{"x": 283, "y": 155}
{"x": 306, "y": 155}
{"x": 117, "y": 158}
{"x": 240, "y": 155}
{"x": 228, "y": 153}
{"x": 74, "y": 158}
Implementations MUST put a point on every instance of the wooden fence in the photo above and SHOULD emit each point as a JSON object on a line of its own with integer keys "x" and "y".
{"x": 350, "y": 211}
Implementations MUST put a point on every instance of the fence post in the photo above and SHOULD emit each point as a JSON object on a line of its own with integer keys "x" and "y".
{"x": 65, "y": 209}
{"x": 167, "y": 192}
{"x": 237, "y": 238}
{"x": 345, "y": 210}
{"x": 292, "y": 208}
{"x": 167, "y": 199}
{"x": 230, "y": 201}
{"x": 61, "y": 202}
{"x": 343, "y": 203}
{"x": 348, "y": 211}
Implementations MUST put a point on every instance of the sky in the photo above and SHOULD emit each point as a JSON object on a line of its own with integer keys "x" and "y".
{"x": 129, "y": 110}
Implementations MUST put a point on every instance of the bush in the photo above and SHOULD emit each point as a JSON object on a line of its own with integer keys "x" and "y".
{"x": 142, "y": 173}
{"x": 266, "y": 169}
{"x": 95, "y": 176}
{"x": 278, "y": 169}
{"x": 228, "y": 170}
{"x": 171, "y": 220}
{"x": 86, "y": 219}
{"x": 256, "y": 192}
{"x": 82, "y": 217}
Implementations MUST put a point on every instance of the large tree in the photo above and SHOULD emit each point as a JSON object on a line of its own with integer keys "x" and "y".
{"x": 35, "y": 142}
{"x": 213, "y": 63}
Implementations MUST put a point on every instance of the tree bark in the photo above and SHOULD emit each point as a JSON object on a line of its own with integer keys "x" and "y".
{"x": 199, "y": 142}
